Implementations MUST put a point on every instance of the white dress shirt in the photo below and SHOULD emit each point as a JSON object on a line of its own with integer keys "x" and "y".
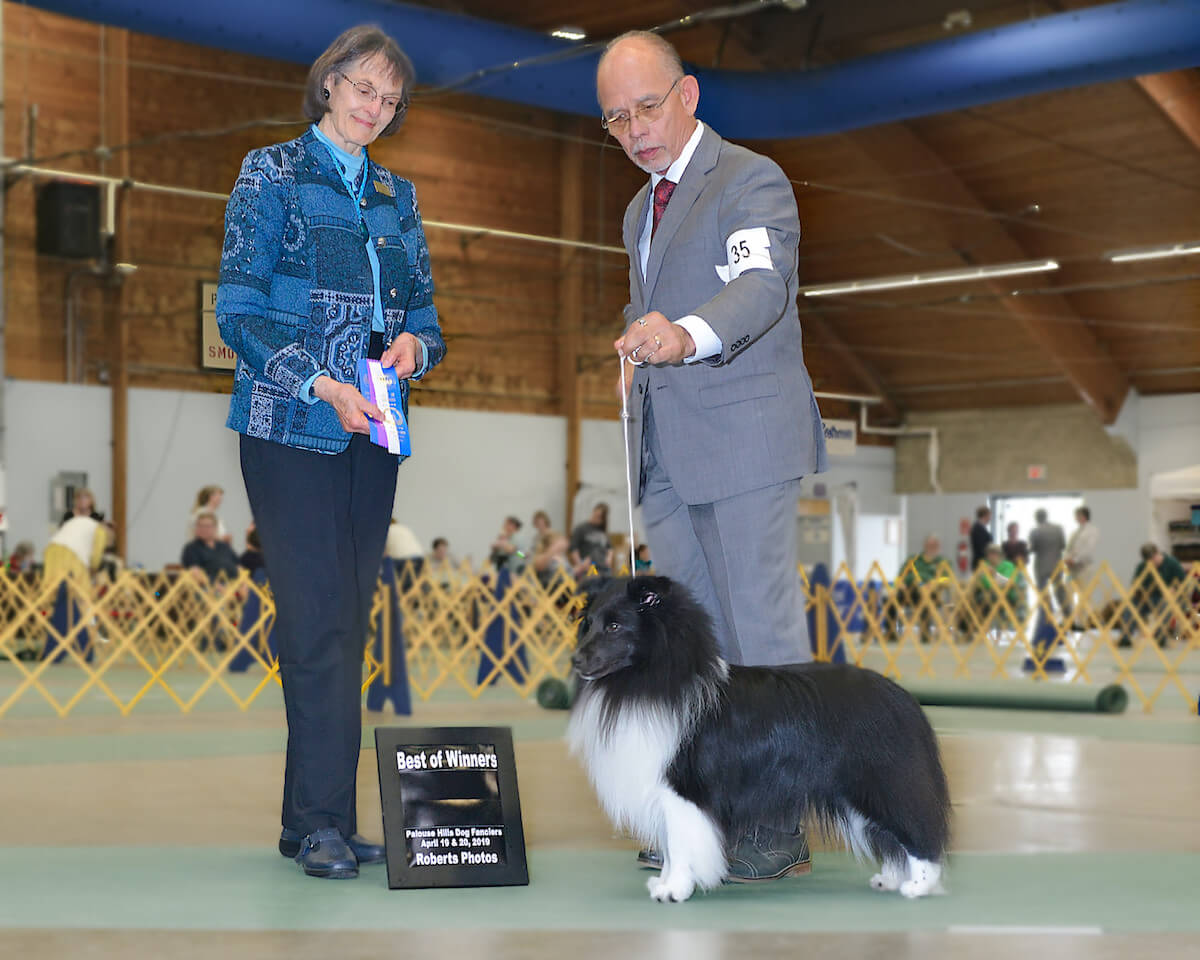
{"x": 708, "y": 344}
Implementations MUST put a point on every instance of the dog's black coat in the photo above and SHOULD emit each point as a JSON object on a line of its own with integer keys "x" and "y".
{"x": 767, "y": 746}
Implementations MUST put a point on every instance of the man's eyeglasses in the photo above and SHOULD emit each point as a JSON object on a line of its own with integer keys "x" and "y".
{"x": 618, "y": 123}
{"x": 369, "y": 94}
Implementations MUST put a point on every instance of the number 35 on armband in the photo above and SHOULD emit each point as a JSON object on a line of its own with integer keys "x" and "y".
{"x": 747, "y": 249}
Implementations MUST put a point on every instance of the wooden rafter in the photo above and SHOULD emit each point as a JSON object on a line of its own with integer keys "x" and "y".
{"x": 1082, "y": 359}
{"x": 1177, "y": 94}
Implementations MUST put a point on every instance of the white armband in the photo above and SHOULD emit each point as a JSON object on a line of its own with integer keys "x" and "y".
{"x": 748, "y": 249}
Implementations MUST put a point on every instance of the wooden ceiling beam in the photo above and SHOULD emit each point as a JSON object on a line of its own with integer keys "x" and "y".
{"x": 863, "y": 372}
{"x": 1083, "y": 360}
{"x": 1177, "y": 94}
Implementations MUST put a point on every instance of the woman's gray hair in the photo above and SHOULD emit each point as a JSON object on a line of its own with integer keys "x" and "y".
{"x": 356, "y": 44}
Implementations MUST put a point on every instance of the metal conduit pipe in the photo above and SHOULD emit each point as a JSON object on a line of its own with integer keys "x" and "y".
{"x": 1111, "y": 41}
{"x": 930, "y": 432}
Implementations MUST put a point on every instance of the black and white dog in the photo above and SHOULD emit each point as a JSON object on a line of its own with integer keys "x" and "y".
{"x": 688, "y": 753}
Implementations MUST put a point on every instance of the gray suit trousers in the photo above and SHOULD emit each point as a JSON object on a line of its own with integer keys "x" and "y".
{"x": 738, "y": 556}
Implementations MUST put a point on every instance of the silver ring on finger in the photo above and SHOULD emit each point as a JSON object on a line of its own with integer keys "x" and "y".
{"x": 633, "y": 356}
{"x": 641, "y": 321}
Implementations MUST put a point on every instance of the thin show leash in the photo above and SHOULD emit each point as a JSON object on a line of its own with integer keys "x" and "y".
{"x": 625, "y": 418}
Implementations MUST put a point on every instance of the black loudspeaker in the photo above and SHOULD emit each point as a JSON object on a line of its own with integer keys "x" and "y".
{"x": 68, "y": 220}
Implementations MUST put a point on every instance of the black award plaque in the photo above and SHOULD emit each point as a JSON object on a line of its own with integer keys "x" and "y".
{"x": 451, "y": 810}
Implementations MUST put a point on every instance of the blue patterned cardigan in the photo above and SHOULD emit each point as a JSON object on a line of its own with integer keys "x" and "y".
{"x": 296, "y": 294}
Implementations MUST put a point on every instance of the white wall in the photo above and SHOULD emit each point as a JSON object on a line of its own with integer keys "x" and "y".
{"x": 52, "y": 427}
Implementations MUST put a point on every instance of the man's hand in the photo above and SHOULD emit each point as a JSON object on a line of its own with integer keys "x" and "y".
{"x": 351, "y": 406}
{"x": 402, "y": 354}
{"x": 655, "y": 339}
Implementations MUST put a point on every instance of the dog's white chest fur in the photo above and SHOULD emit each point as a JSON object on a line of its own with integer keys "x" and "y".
{"x": 626, "y": 762}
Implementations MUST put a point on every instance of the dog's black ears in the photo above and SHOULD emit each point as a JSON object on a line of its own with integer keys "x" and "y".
{"x": 648, "y": 592}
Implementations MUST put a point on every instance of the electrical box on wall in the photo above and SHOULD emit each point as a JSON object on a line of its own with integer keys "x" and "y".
{"x": 68, "y": 220}
{"x": 62, "y": 492}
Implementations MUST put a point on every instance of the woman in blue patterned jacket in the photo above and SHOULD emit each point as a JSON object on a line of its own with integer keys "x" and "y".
{"x": 324, "y": 263}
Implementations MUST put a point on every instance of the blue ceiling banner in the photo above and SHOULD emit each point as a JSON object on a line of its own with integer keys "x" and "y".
{"x": 1113, "y": 41}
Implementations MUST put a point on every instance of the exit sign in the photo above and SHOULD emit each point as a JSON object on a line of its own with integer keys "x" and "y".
{"x": 1035, "y": 471}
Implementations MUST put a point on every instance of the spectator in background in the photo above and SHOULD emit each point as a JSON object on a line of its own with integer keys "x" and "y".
{"x": 21, "y": 559}
{"x": 208, "y": 555}
{"x": 589, "y": 541}
{"x": 981, "y": 536}
{"x": 1015, "y": 549}
{"x": 618, "y": 554}
{"x": 404, "y": 549}
{"x": 442, "y": 566}
{"x": 252, "y": 556}
{"x": 402, "y": 543}
{"x": 1047, "y": 543}
{"x": 1148, "y": 597}
{"x": 525, "y": 541}
{"x": 997, "y": 576}
{"x": 509, "y": 552}
{"x": 208, "y": 500}
{"x": 439, "y": 555}
{"x": 1081, "y": 560}
{"x": 73, "y": 553}
{"x": 919, "y": 574}
{"x": 541, "y": 524}
{"x": 83, "y": 504}
{"x": 642, "y": 559}
{"x": 550, "y": 561}
{"x": 111, "y": 563}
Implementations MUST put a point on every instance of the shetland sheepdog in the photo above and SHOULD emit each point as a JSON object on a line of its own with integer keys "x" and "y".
{"x": 688, "y": 753}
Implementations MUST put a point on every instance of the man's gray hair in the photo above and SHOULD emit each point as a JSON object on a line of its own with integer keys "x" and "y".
{"x": 664, "y": 48}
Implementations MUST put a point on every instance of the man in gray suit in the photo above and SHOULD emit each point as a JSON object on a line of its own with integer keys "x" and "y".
{"x": 723, "y": 414}
{"x": 1047, "y": 543}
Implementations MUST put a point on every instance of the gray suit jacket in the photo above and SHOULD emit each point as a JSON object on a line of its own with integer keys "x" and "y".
{"x": 747, "y": 418}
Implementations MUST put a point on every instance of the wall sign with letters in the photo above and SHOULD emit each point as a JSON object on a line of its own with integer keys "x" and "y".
{"x": 451, "y": 810}
{"x": 215, "y": 354}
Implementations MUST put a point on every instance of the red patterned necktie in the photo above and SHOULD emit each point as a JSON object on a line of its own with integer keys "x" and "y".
{"x": 662, "y": 196}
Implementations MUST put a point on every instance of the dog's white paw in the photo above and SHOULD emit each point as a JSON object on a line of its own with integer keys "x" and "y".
{"x": 924, "y": 878}
{"x": 670, "y": 889}
{"x": 889, "y": 877}
{"x": 885, "y": 881}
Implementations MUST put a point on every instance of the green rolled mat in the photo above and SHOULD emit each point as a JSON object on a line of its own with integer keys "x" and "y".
{"x": 1020, "y": 694}
{"x": 553, "y": 694}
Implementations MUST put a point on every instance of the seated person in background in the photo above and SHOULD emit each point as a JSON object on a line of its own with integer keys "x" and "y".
{"x": 442, "y": 566}
{"x": 83, "y": 505}
{"x": 550, "y": 560}
{"x": 404, "y": 549}
{"x": 510, "y": 551}
{"x": 252, "y": 556}
{"x": 918, "y": 578}
{"x": 1148, "y": 597}
{"x": 995, "y": 575}
{"x": 207, "y": 556}
{"x": 589, "y": 541}
{"x": 21, "y": 559}
{"x": 642, "y": 559}
{"x": 208, "y": 500}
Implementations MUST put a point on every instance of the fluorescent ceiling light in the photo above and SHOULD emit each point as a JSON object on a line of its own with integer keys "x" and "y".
{"x": 935, "y": 276}
{"x": 1154, "y": 253}
{"x": 569, "y": 33}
